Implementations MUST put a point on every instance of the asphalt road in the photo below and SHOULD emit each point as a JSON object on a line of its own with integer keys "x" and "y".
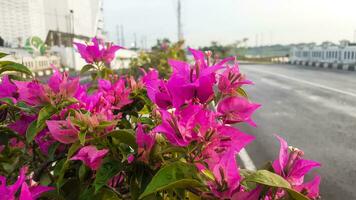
{"x": 315, "y": 110}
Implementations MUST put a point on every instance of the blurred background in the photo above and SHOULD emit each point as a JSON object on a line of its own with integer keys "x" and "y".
{"x": 301, "y": 54}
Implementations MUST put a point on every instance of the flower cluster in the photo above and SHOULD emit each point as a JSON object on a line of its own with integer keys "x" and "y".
{"x": 27, "y": 192}
{"x": 157, "y": 138}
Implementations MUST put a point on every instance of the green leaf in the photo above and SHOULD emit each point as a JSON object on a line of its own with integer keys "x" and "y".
{"x": 38, "y": 125}
{"x": 24, "y": 107}
{"x": 105, "y": 124}
{"x": 242, "y": 92}
{"x": 208, "y": 174}
{"x": 7, "y": 100}
{"x": 106, "y": 171}
{"x": 82, "y": 135}
{"x": 52, "y": 150}
{"x": 271, "y": 179}
{"x": 44, "y": 114}
{"x": 265, "y": 177}
{"x": 126, "y": 136}
{"x": 74, "y": 148}
{"x": 31, "y": 131}
{"x": 173, "y": 176}
{"x": 144, "y": 110}
{"x": 86, "y": 68}
{"x": 16, "y": 67}
{"x": 82, "y": 173}
{"x": 106, "y": 194}
{"x": 146, "y": 120}
{"x": 61, "y": 172}
{"x": 16, "y": 77}
{"x": 3, "y": 54}
{"x": 296, "y": 195}
{"x": 68, "y": 102}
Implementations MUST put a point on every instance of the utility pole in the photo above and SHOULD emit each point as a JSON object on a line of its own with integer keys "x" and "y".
{"x": 179, "y": 21}
{"x": 118, "y": 35}
{"x": 72, "y": 35}
{"x": 135, "y": 41}
{"x": 355, "y": 36}
{"x": 122, "y": 36}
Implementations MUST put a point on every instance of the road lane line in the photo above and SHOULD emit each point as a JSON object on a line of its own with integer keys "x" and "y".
{"x": 305, "y": 82}
{"x": 246, "y": 160}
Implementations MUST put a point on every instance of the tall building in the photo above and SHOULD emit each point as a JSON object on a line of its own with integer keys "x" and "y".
{"x": 20, "y": 19}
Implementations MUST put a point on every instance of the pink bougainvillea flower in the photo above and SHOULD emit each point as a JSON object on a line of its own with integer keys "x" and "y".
{"x": 21, "y": 125}
{"x": 231, "y": 79}
{"x": 97, "y": 51}
{"x": 310, "y": 189}
{"x": 44, "y": 140}
{"x": 130, "y": 158}
{"x": 237, "y": 109}
{"x": 62, "y": 131}
{"x": 193, "y": 82}
{"x": 8, "y": 89}
{"x": 32, "y": 193}
{"x": 157, "y": 89}
{"x": 26, "y": 193}
{"x": 32, "y": 93}
{"x": 221, "y": 154}
{"x": 145, "y": 142}
{"x": 8, "y": 192}
{"x": 291, "y": 165}
{"x": 91, "y": 156}
{"x": 109, "y": 52}
{"x": 251, "y": 195}
{"x": 36, "y": 191}
{"x": 64, "y": 85}
{"x": 60, "y": 87}
{"x": 116, "y": 94}
{"x": 186, "y": 125}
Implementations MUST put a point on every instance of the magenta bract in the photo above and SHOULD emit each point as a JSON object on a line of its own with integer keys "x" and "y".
{"x": 91, "y": 156}
{"x": 97, "y": 51}
{"x": 237, "y": 109}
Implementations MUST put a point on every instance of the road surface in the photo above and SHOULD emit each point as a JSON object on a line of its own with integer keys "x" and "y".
{"x": 313, "y": 109}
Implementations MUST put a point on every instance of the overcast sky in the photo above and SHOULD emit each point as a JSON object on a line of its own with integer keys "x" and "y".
{"x": 262, "y": 21}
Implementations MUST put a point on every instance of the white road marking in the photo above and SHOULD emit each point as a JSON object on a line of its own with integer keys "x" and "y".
{"x": 305, "y": 82}
{"x": 246, "y": 160}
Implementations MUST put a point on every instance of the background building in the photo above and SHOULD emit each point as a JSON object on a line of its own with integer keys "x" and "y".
{"x": 20, "y": 19}
{"x": 340, "y": 56}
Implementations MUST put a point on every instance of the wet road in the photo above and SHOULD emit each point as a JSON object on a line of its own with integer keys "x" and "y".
{"x": 315, "y": 110}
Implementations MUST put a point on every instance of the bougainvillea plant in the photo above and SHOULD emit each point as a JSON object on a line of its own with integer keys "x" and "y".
{"x": 151, "y": 138}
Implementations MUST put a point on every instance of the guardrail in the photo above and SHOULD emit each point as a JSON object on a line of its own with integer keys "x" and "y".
{"x": 329, "y": 65}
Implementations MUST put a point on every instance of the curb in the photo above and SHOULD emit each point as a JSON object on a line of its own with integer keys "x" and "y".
{"x": 337, "y": 66}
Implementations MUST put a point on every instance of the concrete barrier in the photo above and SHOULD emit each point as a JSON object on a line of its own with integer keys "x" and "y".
{"x": 336, "y": 66}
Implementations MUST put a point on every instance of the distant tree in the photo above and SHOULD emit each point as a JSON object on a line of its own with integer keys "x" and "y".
{"x": 158, "y": 57}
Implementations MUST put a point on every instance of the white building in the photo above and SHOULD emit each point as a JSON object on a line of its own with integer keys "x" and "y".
{"x": 81, "y": 17}
{"x": 342, "y": 56}
{"x": 20, "y": 19}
